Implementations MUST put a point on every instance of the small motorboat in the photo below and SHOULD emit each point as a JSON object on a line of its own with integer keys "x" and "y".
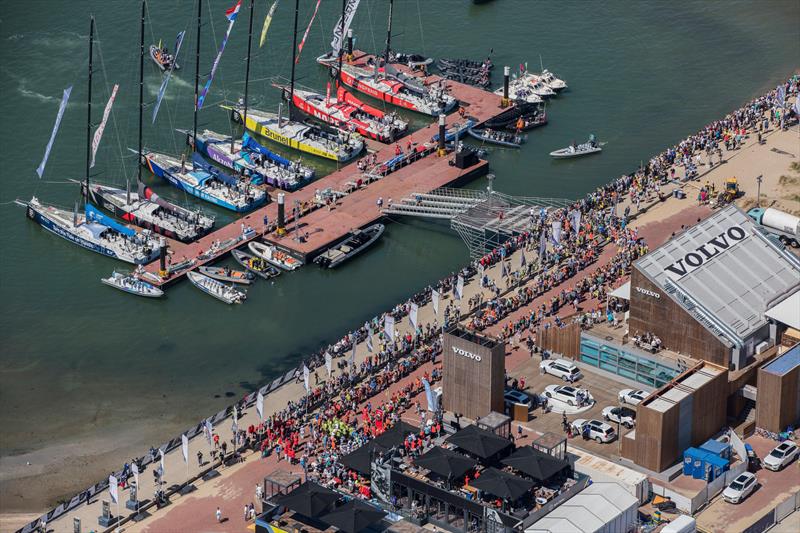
{"x": 256, "y": 265}
{"x": 272, "y": 255}
{"x": 549, "y": 79}
{"x": 576, "y": 150}
{"x": 228, "y": 275}
{"x": 161, "y": 57}
{"x": 132, "y": 285}
{"x": 411, "y": 60}
{"x": 226, "y": 293}
{"x": 499, "y": 137}
{"x": 356, "y": 243}
{"x": 520, "y": 91}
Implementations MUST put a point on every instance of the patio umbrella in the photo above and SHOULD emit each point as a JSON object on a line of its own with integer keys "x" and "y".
{"x": 359, "y": 459}
{"x": 538, "y": 465}
{"x": 479, "y": 442}
{"x": 395, "y": 435}
{"x": 445, "y": 463}
{"x": 501, "y": 484}
{"x": 353, "y": 516}
{"x": 309, "y": 499}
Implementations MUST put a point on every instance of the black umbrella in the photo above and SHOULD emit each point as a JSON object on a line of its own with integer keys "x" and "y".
{"x": 501, "y": 484}
{"x": 309, "y": 499}
{"x": 353, "y": 516}
{"x": 444, "y": 462}
{"x": 479, "y": 442}
{"x": 534, "y": 463}
{"x": 395, "y": 435}
{"x": 360, "y": 459}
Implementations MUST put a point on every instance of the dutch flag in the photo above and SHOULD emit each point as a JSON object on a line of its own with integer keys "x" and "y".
{"x": 233, "y": 12}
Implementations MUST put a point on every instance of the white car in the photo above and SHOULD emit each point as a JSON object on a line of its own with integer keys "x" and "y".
{"x": 599, "y": 431}
{"x": 561, "y": 368}
{"x": 632, "y": 397}
{"x": 780, "y": 456}
{"x": 620, "y": 415}
{"x": 564, "y": 393}
{"x": 739, "y": 488}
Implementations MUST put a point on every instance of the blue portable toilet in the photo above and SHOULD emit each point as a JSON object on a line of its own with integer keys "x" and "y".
{"x": 716, "y": 466}
{"x": 718, "y": 448}
{"x": 694, "y": 462}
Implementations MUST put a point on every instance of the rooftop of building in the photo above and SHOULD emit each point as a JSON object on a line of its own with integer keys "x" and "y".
{"x": 784, "y": 363}
{"x": 684, "y": 385}
{"x": 725, "y": 272}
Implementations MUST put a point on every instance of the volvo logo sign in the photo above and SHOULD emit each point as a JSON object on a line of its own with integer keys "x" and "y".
{"x": 647, "y": 292}
{"x": 700, "y": 255}
{"x": 468, "y": 355}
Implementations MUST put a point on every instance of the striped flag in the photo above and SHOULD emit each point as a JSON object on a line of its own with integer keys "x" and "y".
{"x": 412, "y": 315}
{"x": 460, "y": 288}
{"x": 306, "y": 373}
{"x": 233, "y": 12}
{"x": 305, "y": 35}
{"x": 163, "y": 88}
{"x": 59, "y": 116}
{"x": 231, "y": 15}
{"x": 370, "y": 347}
{"x": 328, "y": 363}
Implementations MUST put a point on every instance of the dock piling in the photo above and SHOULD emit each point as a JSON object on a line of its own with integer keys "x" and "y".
{"x": 442, "y": 149}
{"x": 506, "y": 74}
{"x": 281, "y": 214}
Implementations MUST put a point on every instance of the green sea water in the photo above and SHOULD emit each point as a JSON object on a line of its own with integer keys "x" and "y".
{"x": 79, "y": 360}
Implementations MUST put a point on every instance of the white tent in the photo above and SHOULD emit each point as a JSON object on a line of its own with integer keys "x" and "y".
{"x": 787, "y": 311}
{"x": 599, "y": 508}
{"x": 623, "y": 291}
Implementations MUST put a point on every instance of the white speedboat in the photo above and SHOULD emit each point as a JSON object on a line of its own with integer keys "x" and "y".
{"x": 95, "y": 231}
{"x": 225, "y": 293}
{"x": 537, "y": 85}
{"x": 554, "y": 83}
{"x": 520, "y": 90}
{"x": 273, "y": 256}
{"x": 132, "y": 285}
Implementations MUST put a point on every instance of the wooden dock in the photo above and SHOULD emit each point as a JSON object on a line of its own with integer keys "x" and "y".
{"x": 357, "y": 209}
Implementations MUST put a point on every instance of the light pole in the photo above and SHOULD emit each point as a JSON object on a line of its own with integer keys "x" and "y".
{"x": 759, "y": 179}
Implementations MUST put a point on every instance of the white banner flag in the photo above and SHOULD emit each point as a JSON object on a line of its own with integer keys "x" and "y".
{"x": 338, "y": 31}
{"x": 556, "y": 231}
{"x": 260, "y": 405}
{"x": 481, "y": 273}
{"x": 59, "y": 116}
{"x": 328, "y": 363}
{"x": 209, "y": 430}
{"x": 370, "y": 347}
{"x": 388, "y": 326}
{"x": 435, "y": 301}
{"x": 460, "y": 288}
{"x": 161, "y": 462}
{"x": 412, "y": 315}
{"x": 98, "y": 134}
{"x": 113, "y": 488}
{"x": 135, "y": 470}
{"x": 185, "y": 448}
{"x": 306, "y": 373}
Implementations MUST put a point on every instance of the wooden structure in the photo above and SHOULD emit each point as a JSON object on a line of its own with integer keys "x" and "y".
{"x": 565, "y": 341}
{"x": 778, "y": 404}
{"x": 684, "y": 413}
{"x": 473, "y": 372}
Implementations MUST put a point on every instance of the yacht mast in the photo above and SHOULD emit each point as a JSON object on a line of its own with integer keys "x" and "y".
{"x": 141, "y": 89}
{"x": 89, "y": 109}
{"x": 294, "y": 56}
{"x": 197, "y": 72}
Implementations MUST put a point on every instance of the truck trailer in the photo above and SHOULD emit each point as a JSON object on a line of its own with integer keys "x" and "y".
{"x": 783, "y": 225}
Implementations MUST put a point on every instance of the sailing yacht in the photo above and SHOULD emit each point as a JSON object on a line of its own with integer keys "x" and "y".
{"x": 92, "y": 229}
{"x": 348, "y": 112}
{"x": 252, "y": 159}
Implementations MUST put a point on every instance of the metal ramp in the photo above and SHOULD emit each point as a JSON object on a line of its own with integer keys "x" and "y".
{"x": 484, "y": 219}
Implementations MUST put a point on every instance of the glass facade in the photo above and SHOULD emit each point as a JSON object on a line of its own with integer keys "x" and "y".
{"x": 617, "y": 360}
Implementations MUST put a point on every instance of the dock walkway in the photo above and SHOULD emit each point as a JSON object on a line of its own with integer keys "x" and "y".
{"x": 354, "y": 210}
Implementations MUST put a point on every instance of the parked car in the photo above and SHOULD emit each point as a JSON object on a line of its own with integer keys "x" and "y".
{"x": 561, "y": 368}
{"x": 780, "y": 456}
{"x": 512, "y": 396}
{"x": 564, "y": 393}
{"x": 599, "y": 431}
{"x": 740, "y": 488}
{"x": 632, "y": 397}
{"x": 620, "y": 415}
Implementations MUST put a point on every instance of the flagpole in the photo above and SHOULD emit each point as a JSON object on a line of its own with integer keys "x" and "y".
{"x": 197, "y": 72}
{"x": 89, "y": 109}
{"x": 141, "y": 90}
{"x": 294, "y": 59}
